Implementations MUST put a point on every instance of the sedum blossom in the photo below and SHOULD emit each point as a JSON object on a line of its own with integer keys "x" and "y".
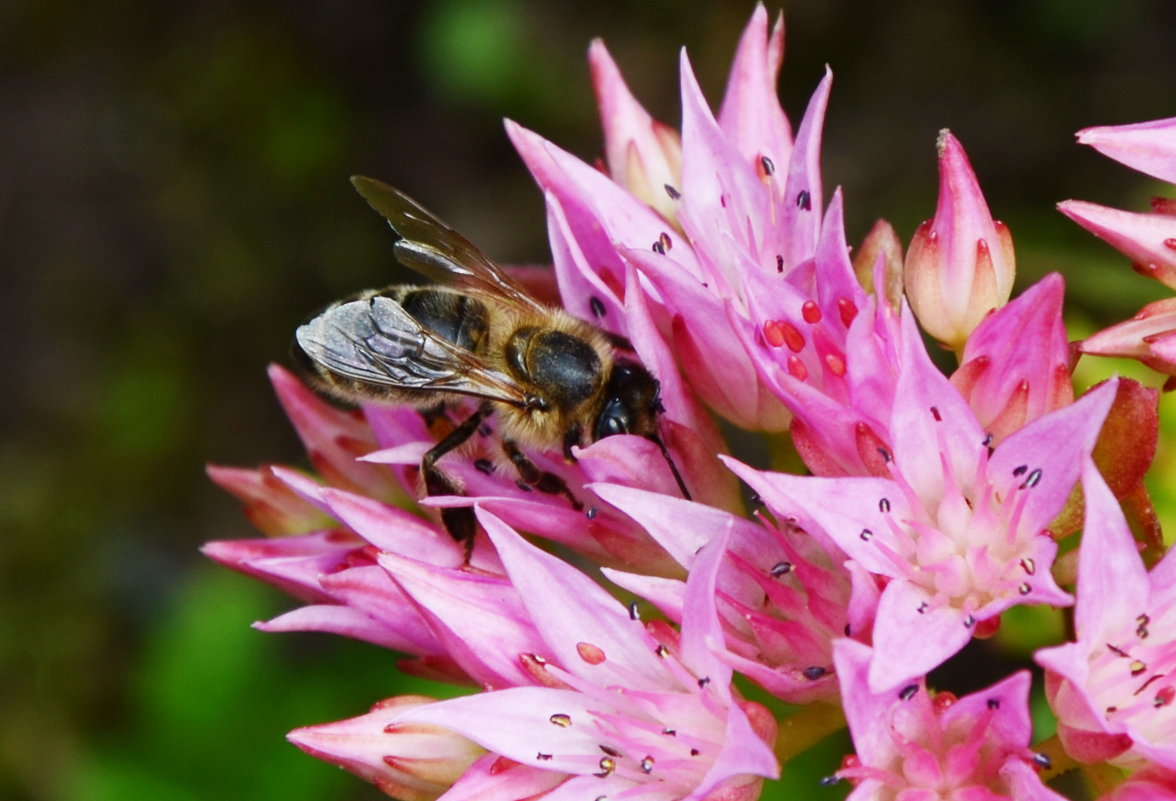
{"x": 617, "y": 707}
{"x": 783, "y": 596}
{"x": 1114, "y": 688}
{"x": 913, "y": 746}
{"x": 959, "y": 529}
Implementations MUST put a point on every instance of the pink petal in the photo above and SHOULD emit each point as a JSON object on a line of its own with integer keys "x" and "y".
{"x": 865, "y": 709}
{"x": 909, "y": 643}
{"x": 392, "y": 529}
{"x": 1149, "y": 240}
{"x": 493, "y": 778}
{"x": 589, "y": 631}
{"x": 478, "y": 619}
{"x": 803, "y": 196}
{"x": 1056, "y": 446}
{"x": 333, "y": 439}
{"x": 518, "y": 724}
{"x": 1112, "y": 580}
{"x": 841, "y": 509}
{"x": 643, "y": 155}
{"x": 751, "y": 115}
{"x": 702, "y": 635}
{"x": 1149, "y": 147}
{"x": 931, "y": 427}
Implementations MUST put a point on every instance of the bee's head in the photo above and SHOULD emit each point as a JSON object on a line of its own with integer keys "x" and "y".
{"x": 631, "y": 403}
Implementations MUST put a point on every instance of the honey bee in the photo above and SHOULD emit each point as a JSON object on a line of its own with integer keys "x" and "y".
{"x": 551, "y": 379}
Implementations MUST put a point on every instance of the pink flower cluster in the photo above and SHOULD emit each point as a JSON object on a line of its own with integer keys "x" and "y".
{"x": 929, "y": 504}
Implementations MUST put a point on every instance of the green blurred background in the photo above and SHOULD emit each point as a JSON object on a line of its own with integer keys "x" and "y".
{"x": 174, "y": 200}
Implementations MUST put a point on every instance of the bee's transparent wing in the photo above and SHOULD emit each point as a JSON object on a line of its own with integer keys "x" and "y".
{"x": 375, "y": 342}
{"x": 435, "y": 250}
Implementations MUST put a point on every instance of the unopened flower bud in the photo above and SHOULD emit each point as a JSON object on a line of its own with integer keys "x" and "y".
{"x": 960, "y": 265}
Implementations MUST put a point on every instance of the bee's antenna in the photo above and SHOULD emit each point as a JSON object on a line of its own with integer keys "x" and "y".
{"x": 656, "y": 440}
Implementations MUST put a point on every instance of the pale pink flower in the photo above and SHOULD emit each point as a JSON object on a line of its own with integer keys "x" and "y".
{"x": 960, "y": 529}
{"x": 913, "y": 746}
{"x": 960, "y": 264}
{"x": 783, "y": 596}
{"x": 620, "y": 708}
{"x": 1114, "y": 688}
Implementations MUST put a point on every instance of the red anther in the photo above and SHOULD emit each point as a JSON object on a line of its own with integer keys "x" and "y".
{"x": 811, "y": 312}
{"x": 943, "y": 701}
{"x": 847, "y": 309}
{"x": 592, "y": 654}
{"x": 835, "y": 363}
{"x": 797, "y": 369}
{"x": 774, "y": 333}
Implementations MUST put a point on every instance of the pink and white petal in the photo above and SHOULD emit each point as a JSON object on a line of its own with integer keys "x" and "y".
{"x": 1008, "y": 702}
{"x": 681, "y": 405}
{"x": 288, "y": 568}
{"x": 1042, "y": 461}
{"x": 521, "y": 723}
{"x": 666, "y": 594}
{"x": 1149, "y": 147}
{"x": 479, "y": 619}
{"x": 334, "y": 439}
{"x": 744, "y": 754}
{"x": 1145, "y": 238}
{"x": 270, "y": 505}
{"x": 800, "y": 213}
{"x": 495, "y": 778}
{"x": 1024, "y": 782}
{"x": 932, "y": 429}
{"x": 702, "y": 633}
{"x": 589, "y": 631}
{"x": 346, "y": 622}
{"x": 681, "y": 527}
{"x": 750, "y": 114}
{"x": 1147, "y": 336}
{"x": 721, "y": 194}
{"x": 598, "y": 210}
{"x": 865, "y": 709}
{"x": 370, "y": 591}
{"x": 842, "y": 508}
{"x": 629, "y": 460}
{"x": 913, "y": 635}
{"x": 584, "y": 291}
{"x": 1113, "y": 583}
{"x": 642, "y": 153}
{"x": 392, "y": 529}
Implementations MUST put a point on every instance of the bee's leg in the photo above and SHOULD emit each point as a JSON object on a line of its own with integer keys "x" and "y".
{"x": 572, "y": 437}
{"x": 532, "y": 476}
{"x": 459, "y": 521}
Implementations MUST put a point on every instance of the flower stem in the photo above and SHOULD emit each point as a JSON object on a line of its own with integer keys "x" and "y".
{"x": 806, "y": 728}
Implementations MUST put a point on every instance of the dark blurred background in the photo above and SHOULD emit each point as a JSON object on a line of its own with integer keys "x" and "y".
{"x": 174, "y": 201}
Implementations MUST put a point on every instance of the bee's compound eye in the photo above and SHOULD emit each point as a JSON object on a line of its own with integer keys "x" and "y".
{"x": 613, "y": 419}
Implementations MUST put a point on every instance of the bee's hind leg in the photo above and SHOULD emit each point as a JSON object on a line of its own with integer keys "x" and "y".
{"x": 532, "y": 476}
{"x": 459, "y": 521}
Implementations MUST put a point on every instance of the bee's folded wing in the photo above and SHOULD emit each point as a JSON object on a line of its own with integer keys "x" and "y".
{"x": 375, "y": 341}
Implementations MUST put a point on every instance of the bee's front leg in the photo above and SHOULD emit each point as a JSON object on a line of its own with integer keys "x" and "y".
{"x": 532, "y": 476}
{"x": 459, "y": 521}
